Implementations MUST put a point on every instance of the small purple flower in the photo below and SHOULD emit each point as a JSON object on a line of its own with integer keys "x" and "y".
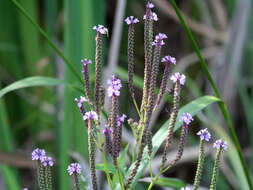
{"x": 74, "y": 168}
{"x": 153, "y": 17}
{"x": 86, "y": 62}
{"x": 25, "y": 188}
{"x": 38, "y": 154}
{"x": 178, "y": 77}
{"x": 185, "y": 188}
{"x": 101, "y": 29}
{"x": 186, "y": 118}
{"x": 81, "y": 101}
{"x": 47, "y": 161}
{"x": 90, "y": 115}
{"x": 114, "y": 86}
{"x": 107, "y": 130}
{"x": 159, "y": 39}
{"x": 204, "y": 134}
{"x": 169, "y": 59}
{"x": 131, "y": 20}
{"x": 120, "y": 120}
{"x": 220, "y": 144}
{"x": 150, "y": 5}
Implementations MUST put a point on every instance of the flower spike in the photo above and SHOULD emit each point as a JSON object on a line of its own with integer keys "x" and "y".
{"x": 131, "y": 20}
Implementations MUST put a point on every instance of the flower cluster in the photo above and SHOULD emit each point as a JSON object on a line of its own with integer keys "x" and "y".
{"x": 186, "y": 118}
{"x": 159, "y": 39}
{"x": 100, "y": 29}
{"x": 86, "y": 62}
{"x": 40, "y": 155}
{"x": 120, "y": 120}
{"x": 153, "y": 17}
{"x": 177, "y": 77}
{"x": 90, "y": 115}
{"x": 131, "y": 20}
{"x": 74, "y": 168}
{"x": 114, "y": 86}
{"x": 170, "y": 60}
{"x": 81, "y": 101}
{"x": 204, "y": 134}
{"x": 220, "y": 144}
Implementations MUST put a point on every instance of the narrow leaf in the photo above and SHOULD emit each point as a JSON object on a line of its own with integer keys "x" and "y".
{"x": 166, "y": 182}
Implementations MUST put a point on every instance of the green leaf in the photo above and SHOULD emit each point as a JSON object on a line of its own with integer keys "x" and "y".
{"x": 193, "y": 108}
{"x": 122, "y": 159}
{"x": 111, "y": 168}
{"x": 30, "y": 82}
{"x": 166, "y": 182}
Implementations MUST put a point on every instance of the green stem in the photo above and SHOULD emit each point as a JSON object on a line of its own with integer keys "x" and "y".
{"x": 221, "y": 104}
{"x": 215, "y": 170}
{"x": 44, "y": 34}
{"x": 154, "y": 180}
{"x": 120, "y": 177}
{"x": 105, "y": 163}
{"x": 200, "y": 165}
{"x": 134, "y": 151}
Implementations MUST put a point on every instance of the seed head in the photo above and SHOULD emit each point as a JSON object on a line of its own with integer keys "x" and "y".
{"x": 74, "y": 168}
{"x": 90, "y": 115}
{"x": 178, "y": 77}
{"x": 204, "y": 134}
{"x": 186, "y": 118}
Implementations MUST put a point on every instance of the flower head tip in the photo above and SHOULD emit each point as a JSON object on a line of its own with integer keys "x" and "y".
{"x": 220, "y": 144}
{"x": 204, "y": 134}
{"x": 159, "y": 39}
{"x": 47, "y": 161}
{"x": 170, "y": 60}
{"x": 81, "y": 101}
{"x": 131, "y": 20}
{"x": 114, "y": 86}
{"x": 120, "y": 120}
{"x": 86, "y": 62}
{"x": 38, "y": 154}
{"x": 74, "y": 168}
{"x": 177, "y": 77}
{"x": 90, "y": 115}
{"x": 186, "y": 118}
{"x": 101, "y": 29}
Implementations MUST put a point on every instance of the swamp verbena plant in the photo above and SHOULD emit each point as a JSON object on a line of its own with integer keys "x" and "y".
{"x": 105, "y": 133}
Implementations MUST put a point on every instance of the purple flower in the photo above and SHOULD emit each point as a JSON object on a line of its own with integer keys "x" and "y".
{"x": 204, "y": 134}
{"x": 47, "y": 161}
{"x": 101, "y": 29}
{"x": 150, "y": 5}
{"x": 169, "y": 59}
{"x": 114, "y": 86}
{"x": 159, "y": 39}
{"x": 81, "y": 101}
{"x": 220, "y": 144}
{"x": 38, "y": 154}
{"x": 90, "y": 115}
{"x": 86, "y": 62}
{"x": 186, "y": 118}
{"x": 74, "y": 168}
{"x": 153, "y": 17}
{"x": 120, "y": 120}
{"x": 107, "y": 130}
{"x": 185, "y": 188}
{"x": 178, "y": 77}
{"x": 25, "y": 188}
{"x": 131, "y": 20}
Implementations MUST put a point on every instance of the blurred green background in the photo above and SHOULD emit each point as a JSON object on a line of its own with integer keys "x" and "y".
{"x": 47, "y": 117}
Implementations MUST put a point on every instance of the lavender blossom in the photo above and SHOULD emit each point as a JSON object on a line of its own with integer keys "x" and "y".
{"x": 177, "y": 77}
{"x": 38, "y": 154}
{"x": 90, "y": 115}
{"x": 220, "y": 144}
{"x": 150, "y": 5}
{"x": 159, "y": 39}
{"x": 131, "y": 20}
{"x": 25, "y": 188}
{"x": 81, "y": 101}
{"x": 100, "y": 29}
{"x": 86, "y": 62}
{"x": 186, "y": 118}
{"x": 204, "y": 135}
{"x": 153, "y": 16}
{"x": 114, "y": 86}
{"x": 121, "y": 120}
{"x": 47, "y": 161}
{"x": 74, "y": 168}
{"x": 170, "y": 60}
